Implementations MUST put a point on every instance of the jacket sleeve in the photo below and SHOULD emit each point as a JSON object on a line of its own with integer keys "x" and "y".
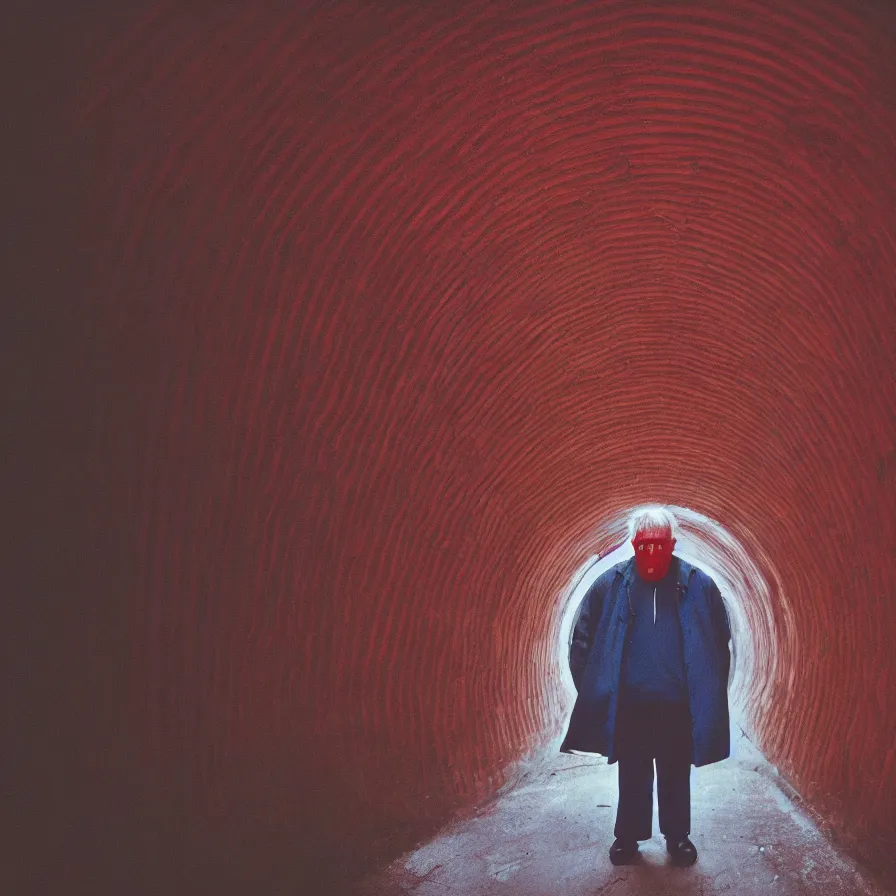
{"x": 719, "y": 616}
{"x": 583, "y": 632}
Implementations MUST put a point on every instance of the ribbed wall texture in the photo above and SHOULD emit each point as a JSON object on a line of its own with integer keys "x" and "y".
{"x": 351, "y": 326}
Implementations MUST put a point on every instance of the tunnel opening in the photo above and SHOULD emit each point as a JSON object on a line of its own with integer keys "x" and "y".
{"x": 554, "y": 815}
{"x": 745, "y": 589}
{"x": 309, "y": 400}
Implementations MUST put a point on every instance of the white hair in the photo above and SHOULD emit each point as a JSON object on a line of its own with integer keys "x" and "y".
{"x": 651, "y": 519}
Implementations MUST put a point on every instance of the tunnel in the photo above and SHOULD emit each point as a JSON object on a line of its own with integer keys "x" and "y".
{"x": 342, "y": 337}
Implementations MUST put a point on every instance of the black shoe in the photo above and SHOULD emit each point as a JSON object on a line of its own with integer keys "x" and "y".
{"x": 623, "y": 851}
{"x": 681, "y": 849}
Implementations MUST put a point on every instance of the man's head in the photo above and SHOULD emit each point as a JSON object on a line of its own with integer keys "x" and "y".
{"x": 652, "y": 533}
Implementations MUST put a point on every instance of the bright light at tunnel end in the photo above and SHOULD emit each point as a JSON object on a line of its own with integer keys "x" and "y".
{"x": 707, "y": 544}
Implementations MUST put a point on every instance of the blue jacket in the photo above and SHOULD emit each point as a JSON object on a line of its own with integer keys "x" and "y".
{"x": 596, "y": 653}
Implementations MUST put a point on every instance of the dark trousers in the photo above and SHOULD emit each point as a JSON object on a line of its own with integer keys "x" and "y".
{"x": 648, "y": 732}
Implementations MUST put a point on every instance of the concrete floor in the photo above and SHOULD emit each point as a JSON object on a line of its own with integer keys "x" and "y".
{"x": 550, "y": 837}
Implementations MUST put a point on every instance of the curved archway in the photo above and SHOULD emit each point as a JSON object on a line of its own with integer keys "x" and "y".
{"x": 342, "y": 330}
{"x": 745, "y": 590}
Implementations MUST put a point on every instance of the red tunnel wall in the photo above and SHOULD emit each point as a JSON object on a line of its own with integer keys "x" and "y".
{"x": 363, "y": 323}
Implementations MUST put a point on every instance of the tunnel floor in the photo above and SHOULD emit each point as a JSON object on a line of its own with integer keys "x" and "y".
{"x": 552, "y": 834}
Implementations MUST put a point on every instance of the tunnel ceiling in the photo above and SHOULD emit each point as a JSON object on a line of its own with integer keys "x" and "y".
{"x": 380, "y": 312}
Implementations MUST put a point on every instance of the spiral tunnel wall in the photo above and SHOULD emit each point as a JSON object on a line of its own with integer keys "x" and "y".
{"x": 344, "y": 334}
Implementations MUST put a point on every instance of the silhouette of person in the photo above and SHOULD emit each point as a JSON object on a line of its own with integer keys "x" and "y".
{"x": 650, "y": 661}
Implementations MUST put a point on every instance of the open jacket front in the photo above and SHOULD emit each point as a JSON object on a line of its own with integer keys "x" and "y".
{"x": 597, "y": 650}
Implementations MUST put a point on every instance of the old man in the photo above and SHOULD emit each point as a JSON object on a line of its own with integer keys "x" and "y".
{"x": 650, "y": 661}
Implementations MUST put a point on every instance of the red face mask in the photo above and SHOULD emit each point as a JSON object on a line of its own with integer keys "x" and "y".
{"x": 653, "y": 554}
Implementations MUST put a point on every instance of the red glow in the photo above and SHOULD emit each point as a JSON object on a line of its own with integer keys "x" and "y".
{"x": 405, "y": 302}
